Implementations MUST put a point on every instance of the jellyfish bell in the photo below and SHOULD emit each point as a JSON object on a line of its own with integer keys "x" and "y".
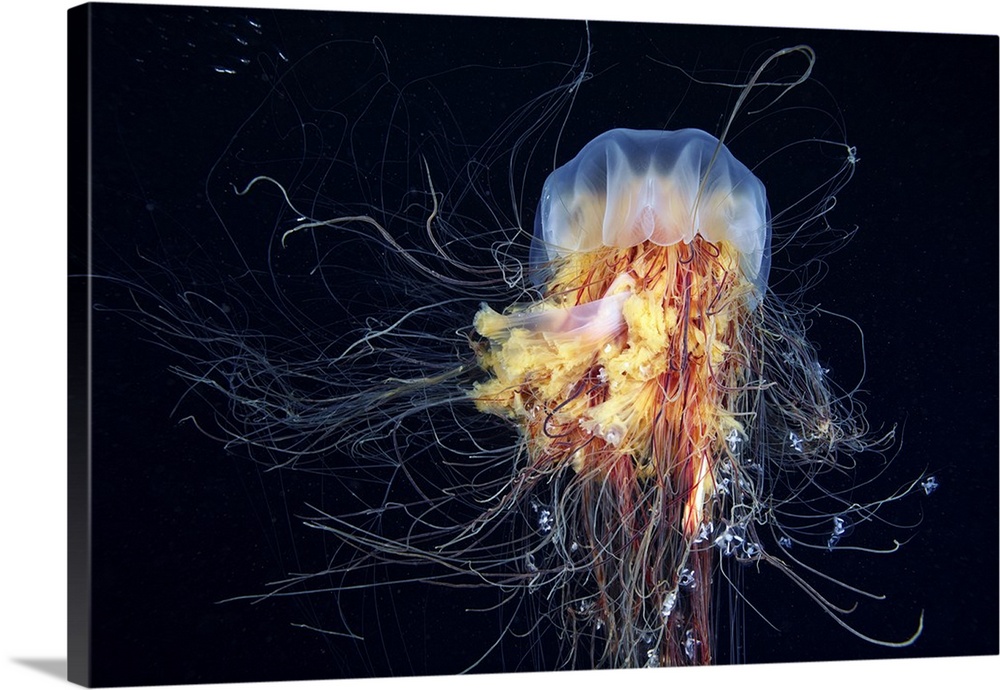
{"x": 629, "y": 186}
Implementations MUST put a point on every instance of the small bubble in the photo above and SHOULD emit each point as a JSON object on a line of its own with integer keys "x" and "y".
{"x": 690, "y": 644}
{"x": 729, "y": 540}
{"x": 840, "y": 527}
{"x": 545, "y": 521}
{"x": 704, "y": 532}
{"x": 929, "y": 485}
{"x": 614, "y": 433}
{"x": 669, "y": 602}
{"x": 795, "y": 441}
{"x": 733, "y": 440}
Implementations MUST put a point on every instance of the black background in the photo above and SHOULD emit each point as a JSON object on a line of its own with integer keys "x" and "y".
{"x": 180, "y": 524}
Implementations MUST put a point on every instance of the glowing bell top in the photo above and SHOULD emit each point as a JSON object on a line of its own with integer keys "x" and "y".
{"x": 628, "y": 186}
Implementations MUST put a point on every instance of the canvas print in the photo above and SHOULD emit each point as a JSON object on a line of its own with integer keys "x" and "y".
{"x": 436, "y": 345}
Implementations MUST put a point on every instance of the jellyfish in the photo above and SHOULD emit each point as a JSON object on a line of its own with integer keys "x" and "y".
{"x": 607, "y": 420}
{"x": 637, "y": 381}
{"x": 632, "y": 378}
